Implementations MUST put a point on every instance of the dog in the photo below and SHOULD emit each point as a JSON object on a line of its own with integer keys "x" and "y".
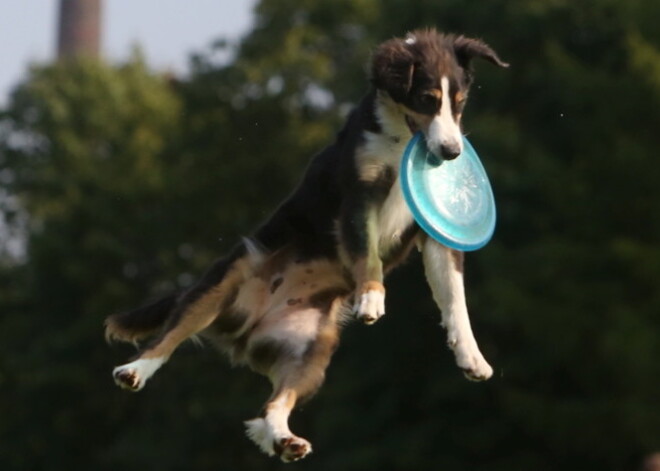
{"x": 278, "y": 300}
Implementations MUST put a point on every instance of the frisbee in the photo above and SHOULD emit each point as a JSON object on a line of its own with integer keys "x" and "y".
{"x": 451, "y": 200}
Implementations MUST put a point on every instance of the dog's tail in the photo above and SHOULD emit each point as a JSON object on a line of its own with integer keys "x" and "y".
{"x": 137, "y": 324}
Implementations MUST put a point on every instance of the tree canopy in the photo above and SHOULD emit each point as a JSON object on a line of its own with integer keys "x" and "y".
{"x": 118, "y": 183}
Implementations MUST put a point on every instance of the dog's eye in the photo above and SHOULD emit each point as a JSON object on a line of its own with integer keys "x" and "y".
{"x": 429, "y": 101}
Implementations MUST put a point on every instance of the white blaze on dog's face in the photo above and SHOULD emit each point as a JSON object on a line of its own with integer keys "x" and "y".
{"x": 443, "y": 134}
{"x": 428, "y": 76}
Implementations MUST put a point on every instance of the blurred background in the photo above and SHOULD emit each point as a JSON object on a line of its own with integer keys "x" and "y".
{"x": 139, "y": 140}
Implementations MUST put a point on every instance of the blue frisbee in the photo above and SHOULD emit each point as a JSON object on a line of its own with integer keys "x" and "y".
{"x": 451, "y": 200}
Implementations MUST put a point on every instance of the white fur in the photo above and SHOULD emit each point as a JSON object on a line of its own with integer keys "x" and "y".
{"x": 390, "y": 118}
{"x": 444, "y": 130}
{"x": 141, "y": 369}
{"x": 255, "y": 252}
{"x": 394, "y": 216}
{"x": 274, "y": 428}
{"x": 370, "y": 306}
{"x": 387, "y": 147}
{"x": 260, "y": 432}
{"x": 446, "y": 283}
{"x": 292, "y": 327}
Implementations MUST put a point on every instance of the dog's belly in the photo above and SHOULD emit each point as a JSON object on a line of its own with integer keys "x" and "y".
{"x": 280, "y": 313}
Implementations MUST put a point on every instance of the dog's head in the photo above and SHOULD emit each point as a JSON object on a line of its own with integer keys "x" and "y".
{"x": 428, "y": 75}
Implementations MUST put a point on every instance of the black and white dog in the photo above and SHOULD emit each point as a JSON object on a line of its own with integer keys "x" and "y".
{"x": 278, "y": 300}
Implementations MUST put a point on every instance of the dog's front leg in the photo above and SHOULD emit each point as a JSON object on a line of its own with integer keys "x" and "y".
{"x": 370, "y": 296}
{"x": 444, "y": 273}
{"x": 359, "y": 234}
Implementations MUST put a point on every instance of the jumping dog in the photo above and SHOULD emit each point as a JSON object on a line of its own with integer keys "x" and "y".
{"x": 278, "y": 300}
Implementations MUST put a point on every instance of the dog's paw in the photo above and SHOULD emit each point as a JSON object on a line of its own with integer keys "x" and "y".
{"x": 292, "y": 448}
{"x": 472, "y": 362}
{"x": 370, "y": 306}
{"x": 370, "y": 303}
{"x": 289, "y": 448}
{"x": 133, "y": 376}
{"x": 478, "y": 369}
{"x": 127, "y": 378}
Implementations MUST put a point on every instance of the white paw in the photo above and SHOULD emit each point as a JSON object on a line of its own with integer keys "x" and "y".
{"x": 370, "y": 306}
{"x": 133, "y": 376}
{"x": 289, "y": 448}
{"x": 471, "y": 361}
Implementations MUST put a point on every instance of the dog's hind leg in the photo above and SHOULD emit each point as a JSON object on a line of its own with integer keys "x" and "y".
{"x": 271, "y": 432}
{"x": 444, "y": 272}
{"x": 194, "y": 312}
{"x": 297, "y": 371}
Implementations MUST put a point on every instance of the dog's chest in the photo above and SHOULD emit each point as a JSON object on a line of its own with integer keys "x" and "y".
{"x": 394, "y": 217}
{"x": 382, "y": 156}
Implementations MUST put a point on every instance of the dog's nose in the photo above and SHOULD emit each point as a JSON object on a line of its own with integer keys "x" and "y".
{"x": 450, "y": 151}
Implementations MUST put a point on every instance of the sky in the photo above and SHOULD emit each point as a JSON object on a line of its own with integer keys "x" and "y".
{"x": 167, "y": 30}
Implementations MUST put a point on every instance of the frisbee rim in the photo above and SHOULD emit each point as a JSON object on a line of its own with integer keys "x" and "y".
{"x": 432, "y": 229}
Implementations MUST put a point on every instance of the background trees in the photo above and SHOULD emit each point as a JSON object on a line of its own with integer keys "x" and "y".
{"x": 122, "y": 184}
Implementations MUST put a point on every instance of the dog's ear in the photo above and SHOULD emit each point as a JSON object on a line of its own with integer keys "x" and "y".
{"x": 467, "y": 49}
{"x": 392, "y": 68}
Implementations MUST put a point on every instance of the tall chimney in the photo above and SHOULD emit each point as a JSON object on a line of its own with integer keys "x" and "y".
{"x": 79, "y": 29}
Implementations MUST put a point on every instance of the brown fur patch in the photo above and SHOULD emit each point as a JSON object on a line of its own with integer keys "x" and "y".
{"x": 251, "y": 294}
{"x": 276, "y": 263}
{"x": 201, "y": 313}
{"x": 319, "y": 353}
{"x": 323, "y": 300}
{"x": 372, "y": 286}
{"x": 228, "y": 302}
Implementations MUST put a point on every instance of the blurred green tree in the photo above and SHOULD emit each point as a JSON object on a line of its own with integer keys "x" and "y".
{"x": 84, "y": 151}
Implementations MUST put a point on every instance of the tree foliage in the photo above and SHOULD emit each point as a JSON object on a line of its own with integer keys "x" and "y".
{"x": 121, "y": 184}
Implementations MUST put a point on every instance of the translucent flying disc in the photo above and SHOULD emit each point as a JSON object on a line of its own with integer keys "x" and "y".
{"x": 450, "y": 199}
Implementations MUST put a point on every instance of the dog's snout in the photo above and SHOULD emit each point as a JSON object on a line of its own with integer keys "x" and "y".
{"x": 444, "y": 141}
{"x": 450, "y": 151}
